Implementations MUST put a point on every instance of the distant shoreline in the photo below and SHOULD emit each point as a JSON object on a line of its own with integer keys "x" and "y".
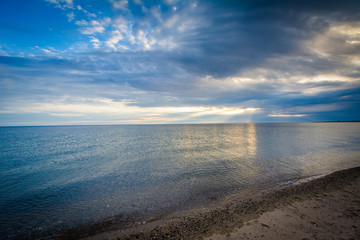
{"x": 335, "y": 121}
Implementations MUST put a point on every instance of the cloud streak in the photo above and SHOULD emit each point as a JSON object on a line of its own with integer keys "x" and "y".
{"x": 189, "y": 61}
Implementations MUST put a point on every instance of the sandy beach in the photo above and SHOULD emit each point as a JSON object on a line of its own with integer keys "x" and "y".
{"x": 324, "y": 215}
{"x": 326, "y": 207}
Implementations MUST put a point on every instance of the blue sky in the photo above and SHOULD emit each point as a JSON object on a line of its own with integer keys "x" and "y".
{"x": 144, "y": 62}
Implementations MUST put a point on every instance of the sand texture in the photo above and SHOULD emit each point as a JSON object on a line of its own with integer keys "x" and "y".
{"x": 323, "y": 208}
{"x": 332, "y": 215}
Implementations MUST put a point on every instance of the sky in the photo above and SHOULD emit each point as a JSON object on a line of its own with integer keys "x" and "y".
{"x": 91, "y": 62}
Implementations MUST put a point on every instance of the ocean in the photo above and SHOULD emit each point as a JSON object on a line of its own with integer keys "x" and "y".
{"x": 57, "y": 177}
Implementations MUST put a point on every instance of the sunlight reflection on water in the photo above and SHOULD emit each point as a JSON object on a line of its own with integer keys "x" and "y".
{"x": 60, "y": 176}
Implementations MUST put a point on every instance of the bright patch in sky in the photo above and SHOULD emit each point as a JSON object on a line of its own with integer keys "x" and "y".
{"x": 137, "y": 61}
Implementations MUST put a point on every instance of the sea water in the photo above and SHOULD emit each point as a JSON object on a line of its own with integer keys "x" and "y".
{"x": 63, "y": 176}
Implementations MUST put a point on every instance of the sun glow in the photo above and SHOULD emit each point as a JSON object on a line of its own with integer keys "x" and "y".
{"x": 286, "y": 115}
{"x": 126, "y": 110}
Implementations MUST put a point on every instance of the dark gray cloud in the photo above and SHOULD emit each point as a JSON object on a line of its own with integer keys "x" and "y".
{"x": 244, "y": 34}
{"x": 283, "y": 57}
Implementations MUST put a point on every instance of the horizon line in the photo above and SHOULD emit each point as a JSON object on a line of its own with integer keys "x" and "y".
{"x": 151, "y": 124}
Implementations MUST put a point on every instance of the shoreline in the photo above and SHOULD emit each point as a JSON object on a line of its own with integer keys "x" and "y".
{"x": 225, "y": 218}
{"x": 229, "y": 214}
{"x": 333, "y": 214}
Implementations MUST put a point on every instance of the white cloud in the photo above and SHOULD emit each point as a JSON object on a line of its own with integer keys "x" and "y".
{"x": 172, "y": 21}
{"x": 324, "y": 78}
{"x": 77, "y": 106}
{"x": 69, "y": 3}
{"x": 63, "y": 4}
{"x": 339, "y": 40}
{"x": 287, "y": 81}
{"x": 82, "y": 23}
{"x": 141, "y": 38}
{"x": 53, "y": 1}
{"x": 70, "y": 16}
{"x": 3, "y": 53}
{"x": 168, "y": 31}
{"x": 95, "y": 23}
{"x": 95, "y": 42}
{"x": 121, "y": 23}
{"x": 119, "y": 4}
{"x": 116, "y": 36}
{"x": 92, "y": 30}
{"x": 89, "y": 14}
{"x": 47, "y": 51}
{"x": 168, "y": 43}
{"x": 97, "y": 26}
{"x": 132, "y": 39}
{"x": 170, "y": 2}
{"x": 154, "y": 31}
{"x": 156, "y": 13}
{"x": 92, "y": 15}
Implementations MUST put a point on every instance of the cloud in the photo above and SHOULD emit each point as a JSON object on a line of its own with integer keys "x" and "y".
{"x": 48, "y": 52}
{"x": 95, "y": 26}
{"x": 119, "y": 4}
{"x": 108, "y": 106}
{"x": 116, "y": 36}
{"x": 82, "y": 23}
{"x": 88, "y": 14}
{"x": 189, "y": 61}
{"x": 78, "y": 106}
{"x": 66, "y": 114}
{"x": 95, "y": 42}
{"x": 70, "y": 16}
{"x": 286, "y": 115}
{"x": 121, "y": 24}
{"x": 92, "y": 30}
{"x": 62, "y": 4}
{"x": 3, "y": 52}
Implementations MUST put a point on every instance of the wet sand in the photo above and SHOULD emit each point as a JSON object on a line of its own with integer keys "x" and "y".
{"x": 322, "y": 208}
{"x": 324, "y": 215}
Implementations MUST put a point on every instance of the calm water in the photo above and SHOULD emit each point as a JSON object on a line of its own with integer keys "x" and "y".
{"x": 53, "y": 177}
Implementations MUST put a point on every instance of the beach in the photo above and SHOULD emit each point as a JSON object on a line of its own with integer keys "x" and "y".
{"x": 176, "y": 181}
{"x": 326, "y": 207}
{"x": 325, "y": 215}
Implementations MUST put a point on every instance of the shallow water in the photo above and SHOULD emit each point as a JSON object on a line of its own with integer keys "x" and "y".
{"x": 54, "y": 177}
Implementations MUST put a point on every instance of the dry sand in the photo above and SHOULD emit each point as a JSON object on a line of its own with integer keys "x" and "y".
{"x": 329, "y": 215}
{"x": 323, "y": 208}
